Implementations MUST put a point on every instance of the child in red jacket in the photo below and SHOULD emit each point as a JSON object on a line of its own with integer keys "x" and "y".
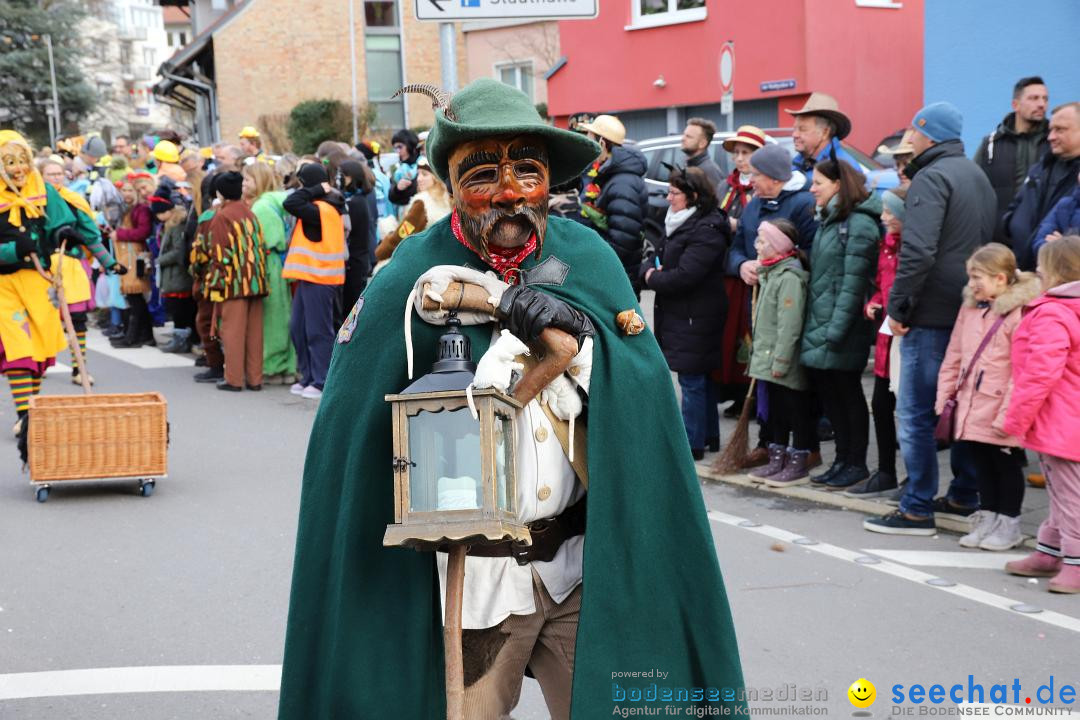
{"x": 1042, "y": 411}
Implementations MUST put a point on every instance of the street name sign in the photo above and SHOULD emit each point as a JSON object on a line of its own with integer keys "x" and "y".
{"x": 465, "y": 10}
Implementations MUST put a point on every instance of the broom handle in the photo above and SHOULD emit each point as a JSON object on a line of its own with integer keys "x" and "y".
{"x": 65, "y": 314}
{"x": 455, "y": 667}
{"x": 753, "y": 316}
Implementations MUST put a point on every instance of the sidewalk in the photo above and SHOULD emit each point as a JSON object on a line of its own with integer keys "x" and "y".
{"x": 1035, "y": 504}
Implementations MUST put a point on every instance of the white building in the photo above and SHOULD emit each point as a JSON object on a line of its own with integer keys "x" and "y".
{"x": 124, "y": 43}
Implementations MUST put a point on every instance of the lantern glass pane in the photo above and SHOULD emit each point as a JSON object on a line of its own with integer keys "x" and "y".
{"x": 504, "y": 461}
{"x": 444, "y": 448}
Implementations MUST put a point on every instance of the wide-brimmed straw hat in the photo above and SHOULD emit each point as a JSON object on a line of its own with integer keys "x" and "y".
{"x": 826, "y": 106}
{"x": 747, "y": 135}
{"x": 608, "y": 127}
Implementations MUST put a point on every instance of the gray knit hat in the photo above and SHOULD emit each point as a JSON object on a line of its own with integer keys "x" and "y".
{"x": 773, "y": 161}
{"x": 95, "y": 148}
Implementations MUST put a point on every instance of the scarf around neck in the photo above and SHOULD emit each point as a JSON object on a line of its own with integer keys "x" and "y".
{"x": 505, "y": 262}
{"x": 31, "y": 199}
{"x": 674, "y": 219}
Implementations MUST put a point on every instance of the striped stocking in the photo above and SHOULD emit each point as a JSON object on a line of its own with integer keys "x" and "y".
{"x": 22, "y": 388}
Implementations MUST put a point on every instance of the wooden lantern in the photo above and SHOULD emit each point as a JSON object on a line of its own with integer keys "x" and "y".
{"x": 454, "y": 475}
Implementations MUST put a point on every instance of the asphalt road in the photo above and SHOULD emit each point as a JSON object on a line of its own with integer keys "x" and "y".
{"x": 196, "y": 577}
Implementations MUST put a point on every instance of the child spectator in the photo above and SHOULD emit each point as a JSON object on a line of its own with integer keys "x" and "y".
{"x": 169, "y": 207}
{"x": 980, "y": 381}
{"x": 778, "y": 325}
{"x": 883, "y": 401}
{"x": 129, "y": 241}
{"x": 1042, "y": 411}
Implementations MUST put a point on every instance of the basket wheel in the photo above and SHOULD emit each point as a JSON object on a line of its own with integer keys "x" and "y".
{"x": 43, "y": 493}
{"x": 146, "y": 488}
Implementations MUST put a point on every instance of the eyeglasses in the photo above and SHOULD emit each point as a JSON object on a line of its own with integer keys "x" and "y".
{"x": 672, "y": 190}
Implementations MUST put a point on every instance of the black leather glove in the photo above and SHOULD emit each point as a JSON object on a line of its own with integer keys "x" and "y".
{"x": 24, "y": 245}
{"x": 526, "y": 312}
{"x": 117, "y": 269}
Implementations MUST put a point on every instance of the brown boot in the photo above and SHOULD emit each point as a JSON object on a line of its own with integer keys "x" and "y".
{"x": 1036, "y": 480}
{"x": 795, "y": 472}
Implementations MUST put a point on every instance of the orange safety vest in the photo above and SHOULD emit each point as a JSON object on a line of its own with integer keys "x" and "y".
{"x": 322, "y": 263}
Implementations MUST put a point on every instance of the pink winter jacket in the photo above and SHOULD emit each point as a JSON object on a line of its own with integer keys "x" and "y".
{"x": 1046, "y": 375}
{"x": 984, "y": 397}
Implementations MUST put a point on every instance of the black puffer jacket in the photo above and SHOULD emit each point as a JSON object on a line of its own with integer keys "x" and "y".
{"x": 950, "y": 210}
{"x": 1048, "y": 181}
{"x": 624, "y": 200}
{"x": 691, "y": 305}
{"x": 1006, "y": 156}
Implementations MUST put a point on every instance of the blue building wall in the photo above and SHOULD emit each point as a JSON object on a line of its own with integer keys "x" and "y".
{"x": 975, "y": 50}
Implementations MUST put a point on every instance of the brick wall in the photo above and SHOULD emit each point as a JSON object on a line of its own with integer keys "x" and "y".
{"x": 272, "y": 56}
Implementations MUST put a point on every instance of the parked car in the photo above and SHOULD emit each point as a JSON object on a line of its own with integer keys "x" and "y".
{"x": 659, "y": 151}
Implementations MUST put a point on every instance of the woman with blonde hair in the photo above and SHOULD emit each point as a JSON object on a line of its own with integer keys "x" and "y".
{"x": 430, "y": 204}
{"x": 262, "y": 189}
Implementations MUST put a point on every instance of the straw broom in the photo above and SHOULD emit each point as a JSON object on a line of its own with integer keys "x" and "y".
{"x": 738, "y": 447}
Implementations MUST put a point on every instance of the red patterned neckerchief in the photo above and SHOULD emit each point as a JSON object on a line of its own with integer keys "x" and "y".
{"x": 503, "y": 261}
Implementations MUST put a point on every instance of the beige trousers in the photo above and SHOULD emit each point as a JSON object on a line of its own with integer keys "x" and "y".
{"x": 544, "y": 641}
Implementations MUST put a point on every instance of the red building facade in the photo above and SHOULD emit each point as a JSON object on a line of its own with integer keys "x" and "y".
{"x": 655, "y": 69}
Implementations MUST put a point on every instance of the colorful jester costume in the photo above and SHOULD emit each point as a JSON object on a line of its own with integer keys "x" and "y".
{"x": 35, "y": 219}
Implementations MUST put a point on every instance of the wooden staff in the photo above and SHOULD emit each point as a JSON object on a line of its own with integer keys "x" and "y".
{"x": 65, "y": 314}
{"x": 455, "y": 666}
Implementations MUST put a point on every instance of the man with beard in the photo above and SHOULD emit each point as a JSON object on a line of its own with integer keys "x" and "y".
{"x": 696, "y": 142}
{"x": 365, "y": 632}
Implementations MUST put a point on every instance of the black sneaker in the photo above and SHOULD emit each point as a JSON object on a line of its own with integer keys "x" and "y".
{"x": 222, "y": 385}
{"x": 944, "y": 506}
{"x": 847, "y": 477}
{"x": 211, "y": 375}
{"x": 877, "y": 485}
{"x": 825, "y": 477}
{"x": 896, "y": 523}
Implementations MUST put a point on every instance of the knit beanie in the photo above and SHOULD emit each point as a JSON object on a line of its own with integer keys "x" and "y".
{"x": 893, "y": 204}
{"x": 772, "y": 161}
{"x": 95, "y": 147}
{"x": 230, "y": 185}
{"x": 939, "y": 121}
{"x": 775, "y": 237}
{"x": 312, "y": 174}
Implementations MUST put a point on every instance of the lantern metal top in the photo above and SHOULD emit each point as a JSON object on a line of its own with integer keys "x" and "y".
{"x": 453, "y": 368}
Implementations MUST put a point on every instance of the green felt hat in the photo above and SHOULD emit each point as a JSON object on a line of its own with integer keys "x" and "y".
{"x": 487, "y": 107}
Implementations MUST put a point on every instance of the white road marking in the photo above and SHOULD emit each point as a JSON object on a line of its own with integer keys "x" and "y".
{"x": 112, "y": 681}
{"x": 904, "y": 572}
{"x": 147, "y": 358}
{"x": 939, "y": 558}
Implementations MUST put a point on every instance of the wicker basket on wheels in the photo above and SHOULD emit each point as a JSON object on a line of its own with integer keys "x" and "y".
{"x": 91, "y": 437}
{"x": 95, "y": 437}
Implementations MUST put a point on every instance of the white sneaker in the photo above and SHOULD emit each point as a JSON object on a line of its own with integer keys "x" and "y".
{"x": 311, "y": 393}
{"x": 983, "y": 523}
{"x": 297, "y": 389}
{"x": 1004, "y": 535}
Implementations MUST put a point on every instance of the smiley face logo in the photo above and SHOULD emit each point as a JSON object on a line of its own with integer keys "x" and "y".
{"x": 862, "y": 693}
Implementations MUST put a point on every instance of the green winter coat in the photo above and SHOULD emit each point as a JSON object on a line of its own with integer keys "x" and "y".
{"x": 365, "y": 638}
{"x": 837, "y": 335}
{"x": 778, "y": 324}
{"x": 279, "y": 355}
{"x": 173, "y": 259}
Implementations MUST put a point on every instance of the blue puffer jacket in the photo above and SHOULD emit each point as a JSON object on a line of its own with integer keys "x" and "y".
{"x": 1047, "y": 182}
{"x": 1064, "y": 218}
{"x": 624, "y": 200}
{"x": 793, "y": 203}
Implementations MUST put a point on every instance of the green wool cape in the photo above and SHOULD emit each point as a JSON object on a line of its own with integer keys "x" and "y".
{"x": 364, "y": 637}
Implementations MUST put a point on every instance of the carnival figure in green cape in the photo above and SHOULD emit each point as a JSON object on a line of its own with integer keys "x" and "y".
{"x": 629, "y": 582}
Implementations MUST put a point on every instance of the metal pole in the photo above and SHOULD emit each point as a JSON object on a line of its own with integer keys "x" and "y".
{"x": 448, "y": 56}
{"x": 55, "y": 96}
{"x": 352, "y": 62}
